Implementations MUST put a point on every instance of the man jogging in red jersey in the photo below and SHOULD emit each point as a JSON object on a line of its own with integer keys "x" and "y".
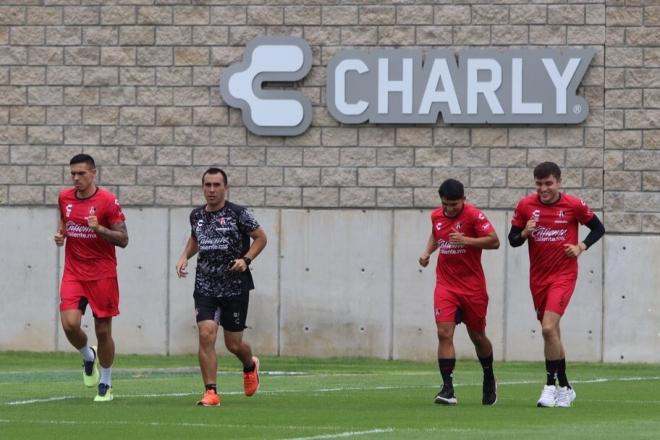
{"x": 549, "y": 221}
{"x": 91, "y": 224}
{"x": 460, "y": 231}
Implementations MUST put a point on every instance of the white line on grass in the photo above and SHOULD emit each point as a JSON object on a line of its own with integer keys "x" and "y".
{"x": 343, "y": 434}
{"x": 239, "y": 426}
{"x": 332, "y": 390}
{"x": 166, "y": 370}
{"x": 185, "y": 424}
{"x": 58, "y": 398}
{"x": 49, "y": 399}
{"x": 620, "y": 401}
{"x": 629, "y": 401}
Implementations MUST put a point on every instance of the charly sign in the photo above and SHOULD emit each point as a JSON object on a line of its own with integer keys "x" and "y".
{"x": 405, "y": 86}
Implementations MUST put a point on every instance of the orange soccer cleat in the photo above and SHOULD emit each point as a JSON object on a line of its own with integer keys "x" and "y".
{"x": 210, "y": 398}
{"x": 251, "y": 379}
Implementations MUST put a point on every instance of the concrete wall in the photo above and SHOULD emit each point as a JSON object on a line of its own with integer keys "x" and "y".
{"x": 29, "y": 279}
{"x": 332, "y": 283}
{"x": 631, "y": 298}
{"x": 336, "y": 283}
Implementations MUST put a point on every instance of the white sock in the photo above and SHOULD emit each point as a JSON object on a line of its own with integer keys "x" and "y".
{"x": 106, "y": 376}
{"x": 87, "y": 353}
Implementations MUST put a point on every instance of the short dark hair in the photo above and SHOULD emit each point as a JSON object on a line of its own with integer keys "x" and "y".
{"x": 83, "y": 158}
{"x": 214, "y": 170}
{"x": 546, "y": 169}
{"x": 451, "y": 189}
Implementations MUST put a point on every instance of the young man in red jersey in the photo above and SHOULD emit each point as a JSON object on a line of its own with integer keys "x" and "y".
{"x": 549, "y": 221}
{"x": 91, "y": 224}
{"x": 460, "y": 231}
{"x": 220, "y": 233}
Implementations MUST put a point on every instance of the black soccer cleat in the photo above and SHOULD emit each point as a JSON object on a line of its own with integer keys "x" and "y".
{"x": 489, "y": 396}
{"x": 446, "y": 396}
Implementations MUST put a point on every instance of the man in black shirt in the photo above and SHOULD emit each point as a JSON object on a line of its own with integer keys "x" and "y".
{"x": 221, "y": 233}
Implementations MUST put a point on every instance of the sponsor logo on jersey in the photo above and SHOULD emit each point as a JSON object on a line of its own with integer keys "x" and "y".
{"x": 74, "y": 230}
{"x": 448, "y": 248}
{"x": 542, "y": 234}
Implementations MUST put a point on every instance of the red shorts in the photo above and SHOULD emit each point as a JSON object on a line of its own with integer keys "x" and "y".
{"x": 553, "y": 297}
{"x": 459, "y": 307}
{"x": 102, "y": 296}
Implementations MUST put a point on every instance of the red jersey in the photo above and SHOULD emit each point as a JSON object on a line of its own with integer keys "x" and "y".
{"x": 88, "y": 256}
{"x": 459, "y": 267}
{"x": 556, "y": 225}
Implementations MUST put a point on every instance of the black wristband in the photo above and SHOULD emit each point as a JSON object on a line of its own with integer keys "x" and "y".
{"x": 247, "y": 260}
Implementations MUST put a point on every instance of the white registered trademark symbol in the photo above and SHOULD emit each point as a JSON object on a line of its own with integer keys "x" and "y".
{"x": 577, "y": 109}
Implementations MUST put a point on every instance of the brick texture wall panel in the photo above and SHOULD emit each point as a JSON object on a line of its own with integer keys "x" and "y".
{"x": 136, "y": 83}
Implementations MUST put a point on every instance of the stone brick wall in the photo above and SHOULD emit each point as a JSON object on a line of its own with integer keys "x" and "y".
{"x": 135, "y": 84}
{"x": 632, "y": 117}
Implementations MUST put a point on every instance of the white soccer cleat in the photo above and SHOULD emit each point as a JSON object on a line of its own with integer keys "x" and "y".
{"x": 548, "y": 397}
{"x": 565, "y": 397}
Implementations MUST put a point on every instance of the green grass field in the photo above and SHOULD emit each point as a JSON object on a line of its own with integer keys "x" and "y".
{"x": 42, "y": 397}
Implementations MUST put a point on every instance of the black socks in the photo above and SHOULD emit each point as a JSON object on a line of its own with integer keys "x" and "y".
{"x": 561, "y": 373}
{"x": 487, "y": 365}
{"x": 446, "y": 370}
{"x": 551, "y": 368}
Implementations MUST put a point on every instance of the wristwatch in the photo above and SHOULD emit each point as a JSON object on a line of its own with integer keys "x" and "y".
{"x": 247, "y": 260}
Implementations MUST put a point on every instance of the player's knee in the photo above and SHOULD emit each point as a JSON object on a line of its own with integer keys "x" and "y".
{"x": 103, "y": 332}
{"x": 445, "y": 335}
{"x": 70, "y": 327}
{"x": 206, "y": 335}
{"x": 549, "y": 331}
{"x": 233, "y": 346}
{"x": 479, "y": 339}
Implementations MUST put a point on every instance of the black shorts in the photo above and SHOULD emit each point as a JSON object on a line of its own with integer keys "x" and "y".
{"x": 230, "y": 311}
